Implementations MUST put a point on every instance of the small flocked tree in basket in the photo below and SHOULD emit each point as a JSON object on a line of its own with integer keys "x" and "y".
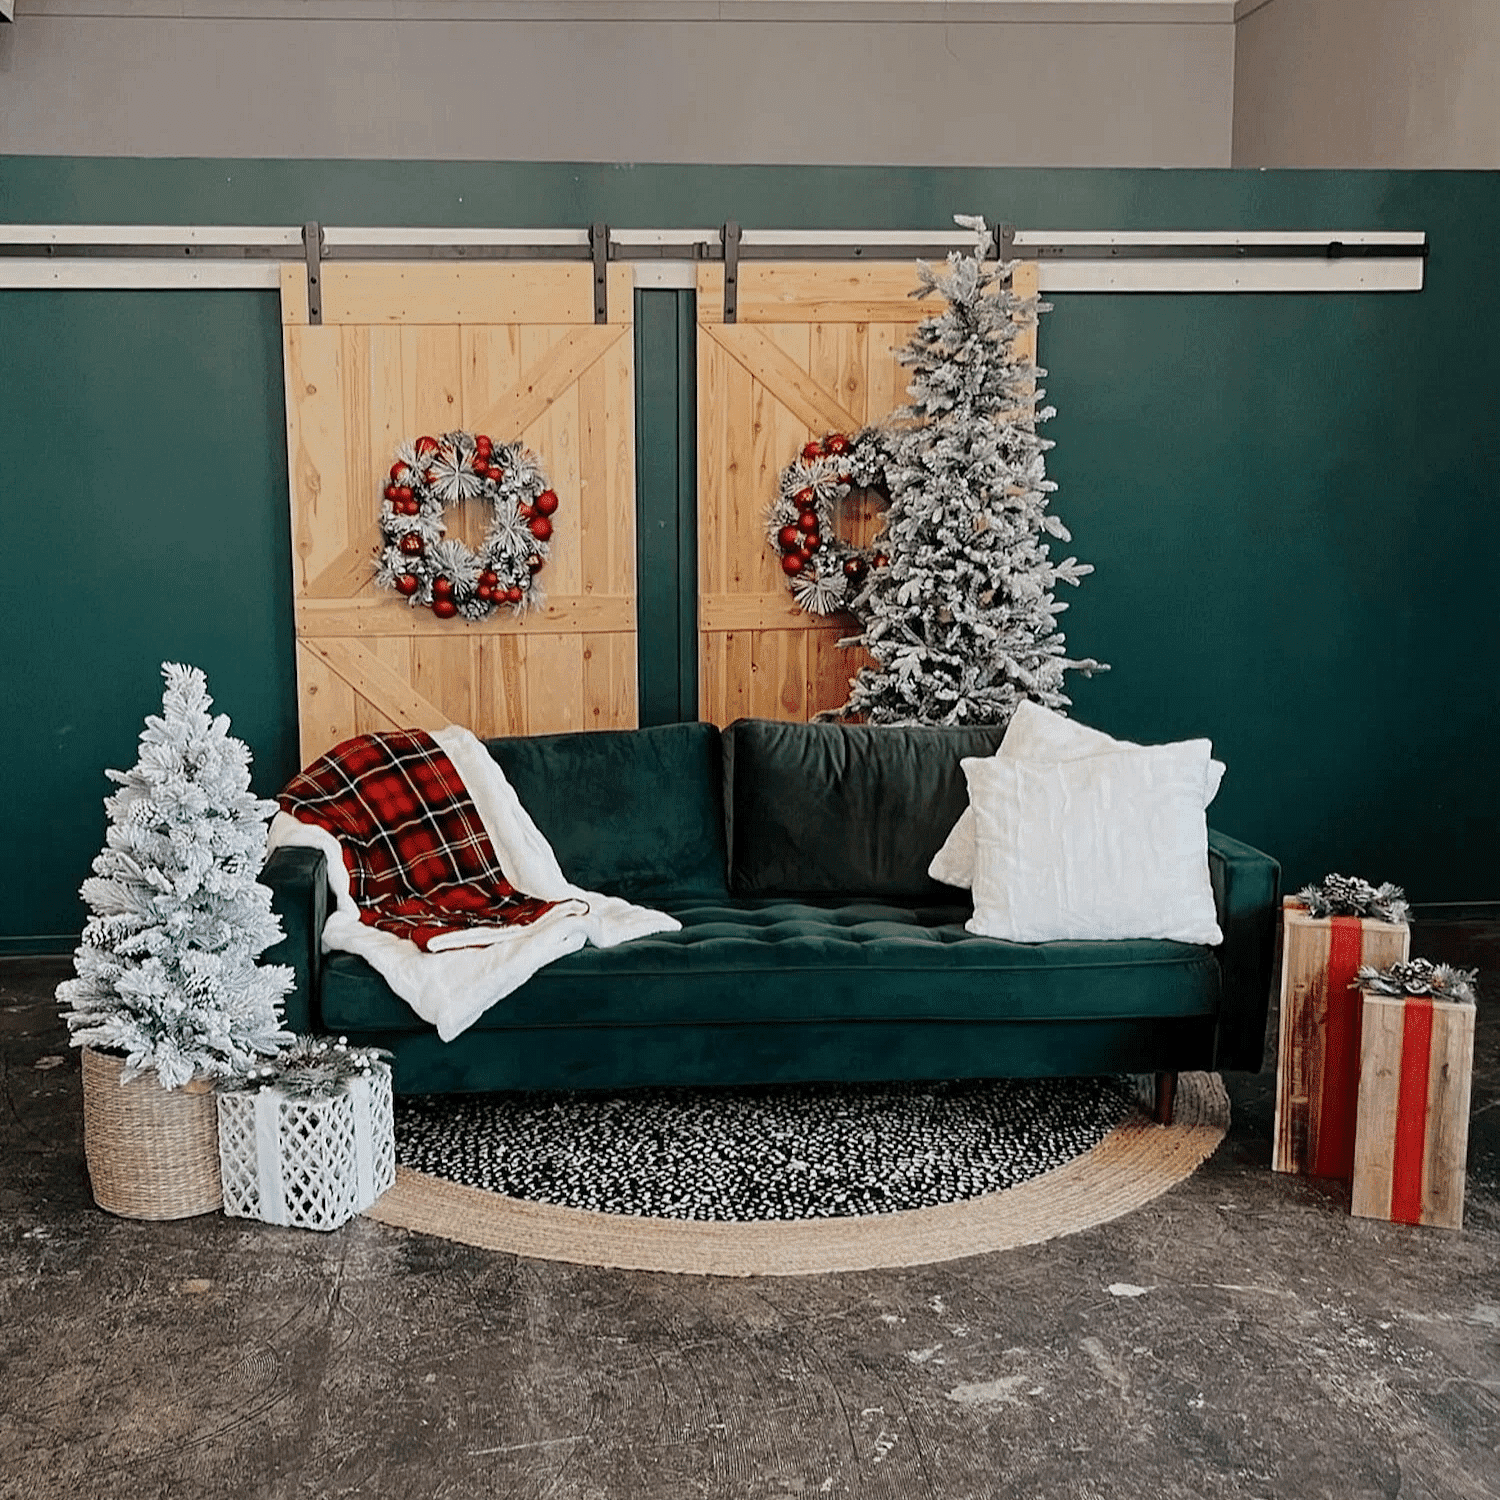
{"x": 962, "y": 618}
{"x": 167, "y": 979}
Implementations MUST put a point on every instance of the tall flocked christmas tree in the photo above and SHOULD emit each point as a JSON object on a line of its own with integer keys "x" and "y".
{"x": 962, "y": 621}
{"x": 167, "y": 971}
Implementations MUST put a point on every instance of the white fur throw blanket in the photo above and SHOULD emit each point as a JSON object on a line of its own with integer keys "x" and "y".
{"x": 465, "y": 972}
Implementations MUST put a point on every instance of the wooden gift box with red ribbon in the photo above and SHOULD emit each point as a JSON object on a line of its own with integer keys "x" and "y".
{"x": 1412, "y": 1136}
{"x": 1317, "y": 1067}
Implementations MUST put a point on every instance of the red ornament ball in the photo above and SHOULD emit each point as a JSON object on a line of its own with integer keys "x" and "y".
{"x": 444, "y": 609}
{"x": 398, "y": 471}
{"x": 837, "y": 443}
{"x": 854, "y": 568}
{"x": 805, "y": 498}
{"x": 811, "y": 451}
{"x": 495, "y": 472}
{"x": 411, "y": 544}
{"x": 546, "y": 503}
{"x": 442, "y": 588}
{"x": 513, "y": 593}
{"x": 793, "y": 562}
{"x": 407, "y": 584}
{"x": 485, "y": 592}
{"x": 425, "y": 446}
{"x": 489, "y": 577}
{"x": 880, "y": 559}
{"x": 483, "y": 444}
{"x": 807, "y": 521}
{"x": 789, "y": 538}
{"x": 392, "y": 492}
{"x": 534, "y": 562}
{"x": 811, "y": 541}
{"x": 540, "y": 527}
{"x": 403, "y": 492}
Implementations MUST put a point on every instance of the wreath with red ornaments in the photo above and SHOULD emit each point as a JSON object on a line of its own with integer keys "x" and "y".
{"x": 426, "y": 566}
{"x": 825, "y": 571}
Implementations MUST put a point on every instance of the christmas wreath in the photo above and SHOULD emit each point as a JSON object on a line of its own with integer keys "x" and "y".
{"x": 425, "y": 566}
{"x": 824, "y": 570}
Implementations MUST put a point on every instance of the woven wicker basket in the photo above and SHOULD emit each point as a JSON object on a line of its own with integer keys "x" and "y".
{"x": 153, "y": 1153}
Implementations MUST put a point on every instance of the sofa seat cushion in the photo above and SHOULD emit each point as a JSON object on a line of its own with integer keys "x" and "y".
{"x": 777, "y": 961}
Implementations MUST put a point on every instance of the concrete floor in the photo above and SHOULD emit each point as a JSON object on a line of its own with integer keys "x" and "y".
{"x": 1241, "y": 1336}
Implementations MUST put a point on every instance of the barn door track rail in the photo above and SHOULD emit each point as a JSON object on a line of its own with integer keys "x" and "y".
{"x": 1263, "y": 260}
{"x": 144, "y": 257}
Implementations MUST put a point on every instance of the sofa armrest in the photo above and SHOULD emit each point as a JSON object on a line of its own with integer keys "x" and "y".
{"x": 1247, "y": 896}
{"x": 298, "y": 879}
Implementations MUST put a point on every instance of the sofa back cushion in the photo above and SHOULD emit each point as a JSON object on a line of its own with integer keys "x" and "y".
{"x": 844, "y": 809}
{"x": 629, "y": 812}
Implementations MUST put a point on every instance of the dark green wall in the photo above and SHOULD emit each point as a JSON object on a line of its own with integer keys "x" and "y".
{"x": 143, "y": 498}
{"x": 1293, "y": 502}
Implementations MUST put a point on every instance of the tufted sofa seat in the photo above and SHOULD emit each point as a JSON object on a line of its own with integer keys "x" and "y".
{"x": 863, "y": 970}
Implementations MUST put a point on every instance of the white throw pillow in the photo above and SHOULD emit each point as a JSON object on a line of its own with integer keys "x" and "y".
{"x": 1106, "y": 846}
{"x": 1037, "y": 733}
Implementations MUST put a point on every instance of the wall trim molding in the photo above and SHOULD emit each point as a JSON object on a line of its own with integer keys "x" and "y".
{"x": 426, "y": 12}
{"x": 39, "y": 945}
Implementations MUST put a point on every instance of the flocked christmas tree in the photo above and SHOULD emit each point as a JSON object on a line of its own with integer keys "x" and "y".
{"x": 167, "y": 971}
{"x": 962, "y": 620}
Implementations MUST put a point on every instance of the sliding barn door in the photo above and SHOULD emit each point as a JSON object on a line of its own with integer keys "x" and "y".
{"x": 507, "y": 349}
{"x": 812, "y": 351}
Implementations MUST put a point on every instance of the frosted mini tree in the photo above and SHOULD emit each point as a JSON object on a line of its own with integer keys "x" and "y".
{"x": 962, "y": 620}
{"x": 167, "y": 971}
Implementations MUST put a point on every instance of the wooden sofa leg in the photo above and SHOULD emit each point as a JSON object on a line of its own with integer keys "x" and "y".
{"x": 1166, "y": 1095}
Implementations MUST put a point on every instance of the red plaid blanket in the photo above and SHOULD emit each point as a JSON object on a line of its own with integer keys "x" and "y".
{"x": 420, "y": 862}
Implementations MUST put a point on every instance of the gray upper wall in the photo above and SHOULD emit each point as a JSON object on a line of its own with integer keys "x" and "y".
{"x": 1192, "y": 83}
{"x": 1368, "y": 83}
{"x": 1150, "y": 84}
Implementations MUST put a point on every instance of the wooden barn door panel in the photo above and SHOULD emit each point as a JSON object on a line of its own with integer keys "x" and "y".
{"x": 511, "y": 350}
{"x": 804, "y": 359}
{"x": 812, "y": 351}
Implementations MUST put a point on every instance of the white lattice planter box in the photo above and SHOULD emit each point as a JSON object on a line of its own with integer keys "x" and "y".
{"x": 310, "y": 1162}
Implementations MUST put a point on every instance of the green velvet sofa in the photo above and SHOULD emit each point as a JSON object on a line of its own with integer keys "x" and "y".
{"x": 814, "y": 946}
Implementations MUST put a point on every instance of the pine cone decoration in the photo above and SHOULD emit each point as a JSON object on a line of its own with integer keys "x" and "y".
{"x": 1349, "y": 896}
{"x": 1421, "y": 976}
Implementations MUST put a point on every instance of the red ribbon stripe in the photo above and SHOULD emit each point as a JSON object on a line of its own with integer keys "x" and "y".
{"x": 1334, "y": 1153}
{"x": 1411, "y": 1111}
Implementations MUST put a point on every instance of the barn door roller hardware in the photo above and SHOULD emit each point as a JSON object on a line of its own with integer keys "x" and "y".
{"x": 731, "y": 242}
{"x": 599, "y": 248}
{"x": 312, "y": 246}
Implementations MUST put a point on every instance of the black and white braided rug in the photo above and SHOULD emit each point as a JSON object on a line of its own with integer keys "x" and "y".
{"x": 739, "y": 1155}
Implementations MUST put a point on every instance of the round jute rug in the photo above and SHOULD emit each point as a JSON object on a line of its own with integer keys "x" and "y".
{"x": 1132, "y": 1164}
